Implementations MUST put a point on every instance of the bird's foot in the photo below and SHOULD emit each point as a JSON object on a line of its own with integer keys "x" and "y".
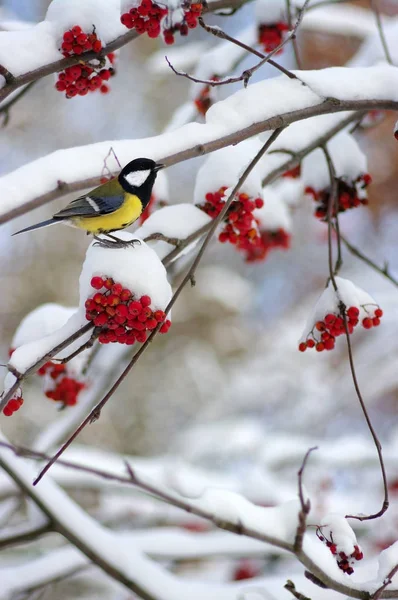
{"x": 113, "y": 242}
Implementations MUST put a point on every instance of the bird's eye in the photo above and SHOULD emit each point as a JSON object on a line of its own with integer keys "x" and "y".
{"x": 137, "y": 178}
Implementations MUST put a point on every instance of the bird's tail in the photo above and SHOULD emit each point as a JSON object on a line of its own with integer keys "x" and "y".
{"x": 37, "y": 226}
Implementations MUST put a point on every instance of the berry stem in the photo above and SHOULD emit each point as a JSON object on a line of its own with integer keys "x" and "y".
{"x": 369, "y": 423}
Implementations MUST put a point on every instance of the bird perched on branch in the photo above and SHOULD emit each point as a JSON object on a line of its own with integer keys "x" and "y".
{"x": 111, "y": 206}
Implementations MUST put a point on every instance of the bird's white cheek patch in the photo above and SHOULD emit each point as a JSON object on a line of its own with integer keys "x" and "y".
{"x": 137, "y": 178}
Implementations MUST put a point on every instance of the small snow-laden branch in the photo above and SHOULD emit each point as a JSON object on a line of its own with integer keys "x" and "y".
{"x": 38, "y": 44}
{"x": 227, "y": 122}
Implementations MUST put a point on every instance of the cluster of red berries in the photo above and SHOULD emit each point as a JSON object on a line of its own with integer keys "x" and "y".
{"x": 270, "y": 240}
{"x": 14, "y": 404}
{"x": 293, "y": 173}
{"x": 120, "y": 316}
{"x": 349, "y": 196}
{"x": 245, "y": 569}
{"x": 270, "y": 36}
{"x": 204, "y": 99}
{"x": 85, "y": 78}
{"x": 62, "y": 388}
{"x": 76, "y": 41}
{"x": 343, "y": 561}
{"x": 148, "y": 15}
{"x": 323, "y": 334}
{"x": 240, "y": 225}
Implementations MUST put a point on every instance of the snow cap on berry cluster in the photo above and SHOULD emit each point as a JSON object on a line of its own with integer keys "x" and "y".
{"x": 336, "y": 528}
{"x": 103, "y": 14}
{"x": 178, "y": 221}
{"x": 348, "y": 293}
{"x": 271, "y": 11}
{"x": 46, "y": 320}
{"x": 224, "y": 167}
{"x": 274, "y": 214}
{"x": 348, "y": 159}
{"x": 137, "y": 268}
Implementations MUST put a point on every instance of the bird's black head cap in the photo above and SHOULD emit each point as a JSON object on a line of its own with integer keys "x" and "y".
{"x": 138, "y": 177}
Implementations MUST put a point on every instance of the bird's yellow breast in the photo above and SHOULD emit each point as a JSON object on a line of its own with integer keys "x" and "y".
{"x": 119, "y": 219}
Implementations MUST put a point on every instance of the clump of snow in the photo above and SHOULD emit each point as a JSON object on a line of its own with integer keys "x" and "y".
{"x": 388, "y": 559}
{"x": 224, "y": 167}
{"x": 337, "y": 530}
{"x": 104, "y": 15}
{"x": 289, "y": 190}
{"x": 348, "y": 159}
{"x": 275, "y": 213}
{"x": 161, "y": 187}
{"x": 348, "y": 293}
{"x": 138, "y": 269}
{"x": 32, "y": 47}
{"x": 270, "y": 11}
{"x": 41, "y": 321}
{"x": 177, "y": 221}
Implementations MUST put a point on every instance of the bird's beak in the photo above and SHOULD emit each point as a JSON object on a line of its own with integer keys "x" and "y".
{"x": 159, "y": 166}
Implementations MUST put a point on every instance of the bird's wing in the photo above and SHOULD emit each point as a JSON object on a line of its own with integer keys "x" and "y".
{"x": 102, "y": 200}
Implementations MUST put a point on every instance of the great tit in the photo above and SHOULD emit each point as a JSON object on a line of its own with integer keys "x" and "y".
{"x": 111, "y": 206}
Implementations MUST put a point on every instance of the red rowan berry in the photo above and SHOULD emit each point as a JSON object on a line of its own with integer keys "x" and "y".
{"x": 367, "y": 323}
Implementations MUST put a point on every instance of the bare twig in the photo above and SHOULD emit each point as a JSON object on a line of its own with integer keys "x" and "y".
{"x": 247, "y": 73}
{"x": 294, "y": 38}
{"x": 305, "y": 505}
{"x": 290, "y": 587}
{"x": 332, "y": 204}
{"x": 5, "y": 108}
{"x": 369, "y": 423}
{"x": 216, "y": 31}
{"x": 382, "y": 270}
{"x": 96, "y": 411}
{"x": 22, "y": 537}
{"x": 375, "y": 8}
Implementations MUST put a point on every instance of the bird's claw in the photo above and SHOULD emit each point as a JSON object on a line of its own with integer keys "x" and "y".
{"x": 117, "y": 244}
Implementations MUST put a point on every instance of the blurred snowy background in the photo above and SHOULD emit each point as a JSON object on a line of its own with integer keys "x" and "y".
{"x": 226, "y": 394}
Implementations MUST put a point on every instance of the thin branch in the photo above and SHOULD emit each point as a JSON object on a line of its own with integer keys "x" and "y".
{"x": 294, "y": 39}
{"x": 290, "y": 587}
{"x": 305, "y": 505}
{"x": 332, "y": 202}
{"x": 9, "y": 77}
{"x": 329, "y": 106}
{"x": 60, "y": 65}
{"x": 382, "y": 270}
{"x": 5, "y": 108}
{"x": 375, "y": 8}
{"x": 96, "y": 411}
{"x": 217, "y": 32}
{"x": 387, "y": 582}
{"x": 22, "y": 537}
{"x": 248, "y": 73}
{"x": 369, "y": 423}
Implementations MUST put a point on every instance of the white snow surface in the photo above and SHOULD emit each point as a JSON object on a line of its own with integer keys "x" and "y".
{"x": 275, "y": 213}
{"x": 270, "y": 11}
{"x": 288, "y": 189}
{"x": 161, "y": 187}
{"x": 388, "y": 559}
{"x": 336, "y": 527}
{"x": 224, "y": 167}
{"x": 176, "y": 221}
{"x": 342, "y": 19}
{"x": 41, "y": 321}
{"x": 33, "y": 47}
{"x": 103, "y": 14}
{"x": 139, "y": 269}
{"x": 260, "y": 101}
{"x": 27, "y": 355}
{"x": 348, "y": 159}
